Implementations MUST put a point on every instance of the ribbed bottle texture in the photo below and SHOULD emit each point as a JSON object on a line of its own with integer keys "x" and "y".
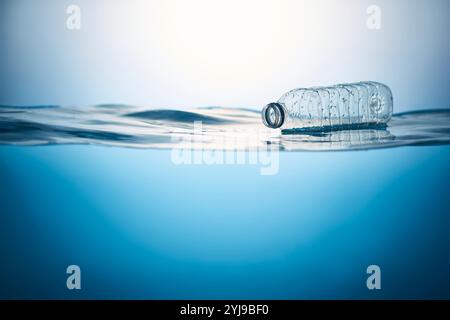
{"x": 343, "y": 105}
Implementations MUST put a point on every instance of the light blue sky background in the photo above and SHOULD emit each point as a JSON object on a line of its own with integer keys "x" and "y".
{"x": 177, "y": 54}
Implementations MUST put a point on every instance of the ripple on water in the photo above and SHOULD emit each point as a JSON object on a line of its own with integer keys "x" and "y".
{"x": 206, "y": 128}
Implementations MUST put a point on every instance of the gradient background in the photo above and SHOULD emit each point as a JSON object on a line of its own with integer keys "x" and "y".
{"x": 141, "y": 227}
{"x": 213, "y": 52}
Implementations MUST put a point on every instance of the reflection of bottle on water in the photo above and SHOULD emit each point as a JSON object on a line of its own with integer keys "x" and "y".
{"x": 340, "y": 106}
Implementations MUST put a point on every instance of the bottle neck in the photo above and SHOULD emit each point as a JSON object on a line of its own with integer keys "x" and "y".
{"x": 273, "y": 115}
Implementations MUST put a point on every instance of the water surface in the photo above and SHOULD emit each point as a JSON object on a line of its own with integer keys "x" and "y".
{"x": 204, "y": 128}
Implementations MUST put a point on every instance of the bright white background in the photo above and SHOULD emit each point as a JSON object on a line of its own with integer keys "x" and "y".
{"x": 177, "y": 54}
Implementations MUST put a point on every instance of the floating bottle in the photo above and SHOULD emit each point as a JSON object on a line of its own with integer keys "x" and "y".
{"x": 341, "y": 106}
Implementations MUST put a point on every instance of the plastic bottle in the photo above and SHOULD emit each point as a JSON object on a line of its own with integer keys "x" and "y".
{"x": 337, "y": 107}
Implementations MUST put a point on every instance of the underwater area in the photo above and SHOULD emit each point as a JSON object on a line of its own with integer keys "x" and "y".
{"x": 101, "y": 187}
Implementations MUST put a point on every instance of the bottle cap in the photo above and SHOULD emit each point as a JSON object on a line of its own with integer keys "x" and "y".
{"x": 273, "y": 115}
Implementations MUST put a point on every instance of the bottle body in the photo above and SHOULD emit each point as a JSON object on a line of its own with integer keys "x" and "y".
{"x": 343, "y": 105}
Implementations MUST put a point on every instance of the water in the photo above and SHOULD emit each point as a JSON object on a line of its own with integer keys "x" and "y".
{"x": 140, "y": 226}
{"x": 217, "y": 128}
{"x": 343, "y": 105}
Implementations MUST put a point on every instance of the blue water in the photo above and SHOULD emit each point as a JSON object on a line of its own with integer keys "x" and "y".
{"x": 140, "y": 226}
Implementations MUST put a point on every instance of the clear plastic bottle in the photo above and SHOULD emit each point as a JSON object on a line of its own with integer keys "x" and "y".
{"x": 340, "y": 106}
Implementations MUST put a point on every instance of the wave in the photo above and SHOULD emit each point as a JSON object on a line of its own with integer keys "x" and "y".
{"x": 215, "y": 128}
